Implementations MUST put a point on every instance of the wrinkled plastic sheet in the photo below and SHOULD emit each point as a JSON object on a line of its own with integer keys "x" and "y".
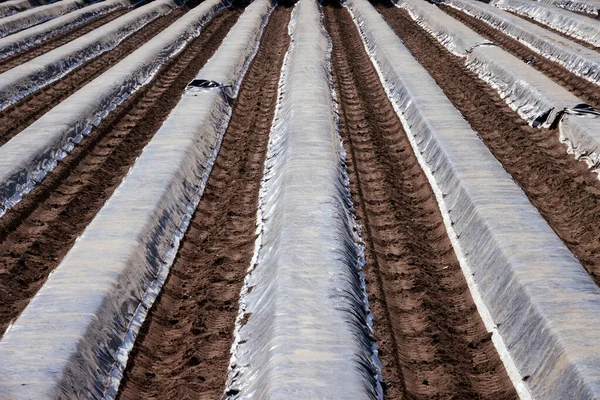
{"x": 529, "y": 92}
{"x": 582, "y": 136}
{"x": 25, "y": 19}
{"x": 578, "y": 26}
{"x": 544, "y": 305}
{"x": 306, "y": 326}
{"x": 20, "y": 41}
{"x": 576, "y": 58}
{"x": 85, "y": 319}
{"x": 14, "y": 6}
{"x": 41, "y": 71}
{"x": 27, "y": 157}
{"x": 586, "y": 6}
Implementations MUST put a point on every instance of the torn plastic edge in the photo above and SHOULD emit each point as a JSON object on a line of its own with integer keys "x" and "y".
{"x": 200, "y": 84}
{"x": 507, "y": 361}
{"x": 154, "y": 289}
{"x": 49, "y": 164}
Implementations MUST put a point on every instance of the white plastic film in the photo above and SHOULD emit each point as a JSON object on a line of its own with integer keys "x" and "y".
{"x": 21, "y": 81}
{"x": 586, "y": 6}
{"x": 27, "y": 157}
{"x": 14, "y": 6}
{"x": 578, "y": 59}
{"x": 20, "y": 41}
{"x": 533, "y": 95}
{"x": 84, "y": 320}
{"x": 545, "y": 306}
{"x": 304, "y": 326}
{"x": 578, "y": 26}
{"x": 38, "y": 15}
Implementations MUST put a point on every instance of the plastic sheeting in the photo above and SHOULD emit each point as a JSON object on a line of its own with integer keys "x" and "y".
{"x": 78, "y": 330}
{"x": 306, "y": 326}
{"x": 14, "y": 6}
{"x": 578, "y": 26}
{"x": 27, "y": 157}
{"x": 578, "y": 59}
{"x": 38, "y": 15}
{"x": 545, "y": 306}
{"x": 29, "y": 77}
{"x": 20, "y": 41}
{"x": 581, "y": 134}
{"x": 534, "y": 96}
{"x": 586, "y": 6}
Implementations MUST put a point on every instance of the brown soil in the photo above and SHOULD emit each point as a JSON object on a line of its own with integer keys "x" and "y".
{"x": 183, "y": 348}
{"x": 18, "y": 116}
{"x": 565, "y": 191}
{"x": 548, "y": 28}
{"x": 432, "y": 341}
{"x": 38, "y": 232}
{"x": 57, "y": 41}
{"x": 580, "y": 87}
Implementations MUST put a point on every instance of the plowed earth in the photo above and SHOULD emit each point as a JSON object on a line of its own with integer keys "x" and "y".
{"x": 182, "y": 351}
{"x": 564, "y": 190}
{"x": 432, "y": 341}
{"x": 38, "y": 232}
{"x": 18, "y": 116}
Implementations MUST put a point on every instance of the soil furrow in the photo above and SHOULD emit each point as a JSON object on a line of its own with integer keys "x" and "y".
{"x": 549, "y": 28}
{"x": 564, "y": 190}
{"x": 579, "y": 86}
{"x": 20, "y": 115}
{"x": 432, "y": 341}
{"x": 38, "y": 232}
{"x": 183, "y": 348}
{"x": 51, "y": 44}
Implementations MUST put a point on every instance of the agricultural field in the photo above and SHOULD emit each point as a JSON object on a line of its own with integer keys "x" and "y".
{"x": 235, "y": 199}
